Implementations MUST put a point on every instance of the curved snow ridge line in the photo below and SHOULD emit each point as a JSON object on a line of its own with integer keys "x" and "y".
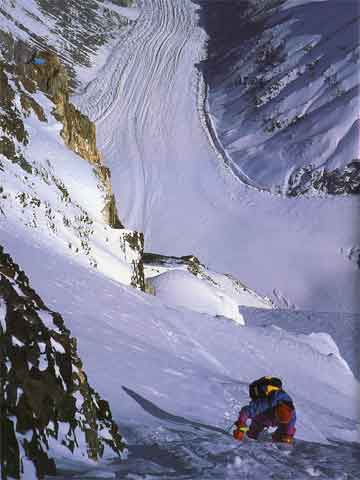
{"x": 219, "y": 149}
{"x": 120, "y": 92}
{"x": 91, "y": 98}
{"x": 170, "y": 21}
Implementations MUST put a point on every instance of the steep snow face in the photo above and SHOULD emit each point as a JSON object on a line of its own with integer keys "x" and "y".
{"x": 283, "y": 90}
{"x": 186, "y": 376}
{"x": 172, "y": 183}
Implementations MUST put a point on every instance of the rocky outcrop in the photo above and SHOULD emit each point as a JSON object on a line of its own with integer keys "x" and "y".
{"x": 77, "y": 38}
{"x": 133, "y": 248}
{"x": 79, "y": 133}
{"x": 109, "y": 210}
{"x": 40, "y": 193}
{"x": 50, "y": 76}
{"x": 334, "y": 182}
{"x": 155, "y": 265}
{"x": 44, "y": 71}
{"x": 191, "y": 262}
{"x": 45, "y": 398}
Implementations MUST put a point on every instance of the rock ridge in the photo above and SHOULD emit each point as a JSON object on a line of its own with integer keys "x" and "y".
{"x": 45, "y": 397}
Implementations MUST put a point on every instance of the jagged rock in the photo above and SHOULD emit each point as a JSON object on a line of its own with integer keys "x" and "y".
{"x": 109, "y": 211}
{"x": 192, "y": 263}
{"x": 45, "y": 397}
{"x": 33, "y": 70}
{"x": 74, "y": 37}
{"x": 335, "y": 182}
{"x": 133, "y": 248}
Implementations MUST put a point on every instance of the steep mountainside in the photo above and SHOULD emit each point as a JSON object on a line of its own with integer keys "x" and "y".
{"x": 40, "y": 177}
{"x": 45, "y": 399}
{"x": 76, "y": 31}
{"x": 186, "y": 376}
{"x": 171, "y": 181}
{"x": 94, "y": 87}
{"x": 283, "y": 92}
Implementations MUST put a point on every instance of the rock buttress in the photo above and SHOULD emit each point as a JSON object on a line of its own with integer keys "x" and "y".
{"x": 45, "y": 397}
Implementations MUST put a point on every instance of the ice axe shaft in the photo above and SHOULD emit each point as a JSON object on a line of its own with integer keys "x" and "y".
{"x": 229, "y": 429}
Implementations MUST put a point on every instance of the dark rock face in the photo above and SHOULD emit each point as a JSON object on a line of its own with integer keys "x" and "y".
{"x": 335, "y": 182}
{"x": 79, "y": 133}
{"x": 258, "y": 86}
{"x": 135, "y": 240}
{"x": 192, "y": 263}
{"x": 45, "y": 397}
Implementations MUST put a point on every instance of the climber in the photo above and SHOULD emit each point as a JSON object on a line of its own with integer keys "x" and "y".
{"x": 270, "y": 406}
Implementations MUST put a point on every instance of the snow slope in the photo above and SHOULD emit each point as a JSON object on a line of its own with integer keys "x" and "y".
{"x": 185, "y": 384}
{"x": 343, "y": 329}
{"x": 181, "y": 288}
{"x": 176, "y": 378}
{"x": 171, "y": 183}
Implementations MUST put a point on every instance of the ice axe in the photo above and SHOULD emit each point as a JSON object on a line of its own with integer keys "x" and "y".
{"x": 229, "y": 429}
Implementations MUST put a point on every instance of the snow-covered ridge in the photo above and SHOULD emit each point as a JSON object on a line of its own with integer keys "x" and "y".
{"x": 283, "y": 93}
{"x": 185, "y": 282}
{"x": 341, "y": 329}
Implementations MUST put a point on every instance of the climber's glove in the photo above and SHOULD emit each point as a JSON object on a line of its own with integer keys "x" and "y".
{"x": 240, "y": 432}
